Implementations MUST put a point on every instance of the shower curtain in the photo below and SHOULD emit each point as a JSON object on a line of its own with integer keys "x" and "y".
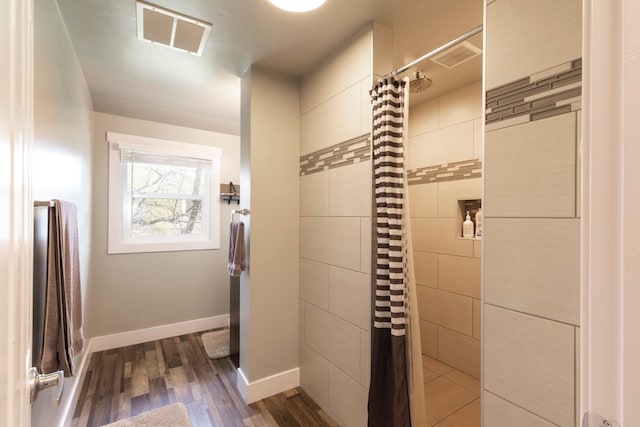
{"x": 396, "y": 394}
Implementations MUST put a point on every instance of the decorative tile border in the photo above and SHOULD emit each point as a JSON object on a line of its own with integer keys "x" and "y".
{"x": 543, "y": 95}
{"x": 343, "y": 154}
{"x": 454, "y": 171}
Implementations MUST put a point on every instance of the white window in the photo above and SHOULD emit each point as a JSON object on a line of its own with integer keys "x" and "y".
{"x": 163, "y": 195}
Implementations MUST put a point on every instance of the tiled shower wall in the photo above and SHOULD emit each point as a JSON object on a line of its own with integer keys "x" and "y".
{"x": 532, "y": 213}
{"x": 335, "y": 229}
{"x": 445, "y": 148}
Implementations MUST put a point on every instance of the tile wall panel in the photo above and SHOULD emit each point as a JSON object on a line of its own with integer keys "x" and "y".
{"x": 365, "y": 358}
{"x": 460, "y": 275}
{"x": 334, "y": 241}
{"x": 451, "y": 191}
{"x": 353, "y": 63}
{"x": 423, "y": 118}
{"x": 426, "y": 268}
{"x": 542, "y": 34}
{"x": 444, "y": 145}
{"x": 460, "y": 351}
{"x": 444, "y": 308}
{"x": 314, "y": 194}
{"x": 461, "y": 105}
{"x": 350, "y": 296}
{"x": 429, "y": 338}
{"x": 314, "y": 374}
{"x": 439, "y": 235}
{"x": 347, "y": 399}
{"x": 529, "y": 361}
{"x": 350, "y": 190}
{"x": 499, "y": 413}
{"x": 533, "y": 266}
{"x": 365, "y": 245}
{"x": 423, "y": 200}
{"x": 335, "y": 339}
{"x": 314, "y": 283}
{"x": 477, "y": 318}
{"x": 530, "y": 169}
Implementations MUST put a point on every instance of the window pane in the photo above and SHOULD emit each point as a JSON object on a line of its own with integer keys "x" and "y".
{"x": 165, "y": 179}
{"x": 165, "y": 217}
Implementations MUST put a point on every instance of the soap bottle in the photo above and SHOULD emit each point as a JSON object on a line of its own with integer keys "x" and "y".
{"x": 479, "y": 223}
{"x": 467, "y": 227}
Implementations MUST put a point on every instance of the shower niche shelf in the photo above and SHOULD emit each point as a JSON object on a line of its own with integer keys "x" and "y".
{"x": 472, "y": 206}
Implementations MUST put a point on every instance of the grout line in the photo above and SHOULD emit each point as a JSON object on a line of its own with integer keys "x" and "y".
{"x": 532, "y": 315}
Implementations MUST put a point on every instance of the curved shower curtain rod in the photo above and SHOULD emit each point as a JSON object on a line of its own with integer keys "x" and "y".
{"x": 434, "y": 52}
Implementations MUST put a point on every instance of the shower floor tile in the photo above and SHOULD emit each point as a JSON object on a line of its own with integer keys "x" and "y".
{"x": 452, "y": 398}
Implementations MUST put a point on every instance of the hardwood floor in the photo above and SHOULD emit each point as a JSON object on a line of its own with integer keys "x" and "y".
{"x": 126, "y": 381}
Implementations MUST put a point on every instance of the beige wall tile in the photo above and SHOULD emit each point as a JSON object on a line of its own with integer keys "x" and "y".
{"x": 335, "y": 120}
{"x": 365, "y": 245}
{"x": 460, "y": 275}
{"x": 446, "y": 309}
{"x": 459, "y": 351}
{"x": 315, "y": 88}
{"x": 314, "y": 374}
{"x": 577, "y": 374}
{"x": 533, "y": 266}
{"x": 429, "y": 338}
{"x": 303, "y": 134}
{"x": 350, "y": 296}
{"x": 382, "y": 49}
{"x": 365, "y": 358}
{"x": 314, "y": 283}
{"x": 347, "y": 399}
{"x": 449, "y": 192}
{"x": 423, "y": 118}
{"x": 423, "y": 200}
{"x": 426, "y": 268}
{"x": 561, "y": 40}
{"x": 314, "y": 194}
{"x": 499, "y": 412}
{"x": 477, "y": 248}
{"x": 439, "y": 235}
{"x": 353, "y": 63}
{"x": 579, "y": 163}
{"x": 366, "y": 118}
{"x": 350, "y": 190}
{"x": 478, "y": 139}
{"x": 477, "y": 318}
{"x": 530, "y": 169}
{"x": 444, "y": 145}
{"x": 337, "y": 340}
{"x": 334, "y": 241}
{"x": 530, "y": 361}
{"x": 461, "y": 105}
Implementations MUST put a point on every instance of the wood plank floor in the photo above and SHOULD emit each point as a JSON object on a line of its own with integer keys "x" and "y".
{"x": 126, "y": 381}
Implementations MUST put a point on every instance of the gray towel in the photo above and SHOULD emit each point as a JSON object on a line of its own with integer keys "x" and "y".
{"x": 236, "y": 248}
{"x": 63, "y": 337}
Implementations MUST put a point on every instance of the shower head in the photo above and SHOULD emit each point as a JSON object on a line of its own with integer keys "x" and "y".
{"x": 420, "y": 82}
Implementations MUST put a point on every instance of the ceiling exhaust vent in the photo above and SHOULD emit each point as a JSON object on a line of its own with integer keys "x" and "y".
{"x": 168, "y": 28}
{"x": 456, "y": 55}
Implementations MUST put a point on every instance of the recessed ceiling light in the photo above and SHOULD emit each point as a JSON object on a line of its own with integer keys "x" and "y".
{"x": 297, "y": 5}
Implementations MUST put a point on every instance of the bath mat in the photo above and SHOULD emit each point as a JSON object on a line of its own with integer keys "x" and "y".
{"x": 175, "y": 415}
{"x": 216, "y": 343}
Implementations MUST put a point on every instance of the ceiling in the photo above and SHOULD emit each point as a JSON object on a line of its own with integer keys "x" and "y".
{"x": 142, "y": 80}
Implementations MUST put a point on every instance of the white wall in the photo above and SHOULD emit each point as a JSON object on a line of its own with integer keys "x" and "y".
{"x": 136, "y": 291}
{"x": 269, "y": 287}
{"x": 61, "y": 163}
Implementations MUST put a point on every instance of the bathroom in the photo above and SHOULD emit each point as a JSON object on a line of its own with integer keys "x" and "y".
{"x": 322, "y": 319}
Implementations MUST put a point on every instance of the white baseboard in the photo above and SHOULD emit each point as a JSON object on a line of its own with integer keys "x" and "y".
{"x": 107, "y": 342}
{"x": 265, "y": 387}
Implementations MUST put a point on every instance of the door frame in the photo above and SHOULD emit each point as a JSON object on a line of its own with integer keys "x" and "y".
{"x": 16, "y": 210}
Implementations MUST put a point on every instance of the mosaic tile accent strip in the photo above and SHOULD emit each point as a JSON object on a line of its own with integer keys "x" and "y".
{"x": 343, "y": 154}
{"x": 455, "y": 171}
{"x": 537, "y": 97}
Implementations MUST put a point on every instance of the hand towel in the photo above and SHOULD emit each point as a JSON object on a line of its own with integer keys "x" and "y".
{"x": 236, "y": 248}
{"x": 63, "y": 336}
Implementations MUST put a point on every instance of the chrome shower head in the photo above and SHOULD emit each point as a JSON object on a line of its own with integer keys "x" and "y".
{"x": 420, "y": 82}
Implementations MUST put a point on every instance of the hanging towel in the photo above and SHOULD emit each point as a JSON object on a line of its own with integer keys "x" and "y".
{"x": 63, "y": 337}
{"x": 236, "y": 248}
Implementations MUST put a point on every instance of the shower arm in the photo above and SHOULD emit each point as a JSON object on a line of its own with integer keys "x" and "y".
{"x": 434, "y": 52}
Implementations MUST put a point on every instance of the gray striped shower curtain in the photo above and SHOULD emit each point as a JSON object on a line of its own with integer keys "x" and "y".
{"x": 396, "y": 396}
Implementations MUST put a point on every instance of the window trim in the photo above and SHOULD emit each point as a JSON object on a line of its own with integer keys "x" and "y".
{"x": 117, "y": 242}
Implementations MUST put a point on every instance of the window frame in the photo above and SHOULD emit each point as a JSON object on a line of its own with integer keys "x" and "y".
{"x": 118, "y": 242}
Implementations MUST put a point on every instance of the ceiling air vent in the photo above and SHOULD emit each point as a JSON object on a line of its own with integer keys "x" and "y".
{"x": 456, "y": 55}
{"x": 168, "y": 28}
